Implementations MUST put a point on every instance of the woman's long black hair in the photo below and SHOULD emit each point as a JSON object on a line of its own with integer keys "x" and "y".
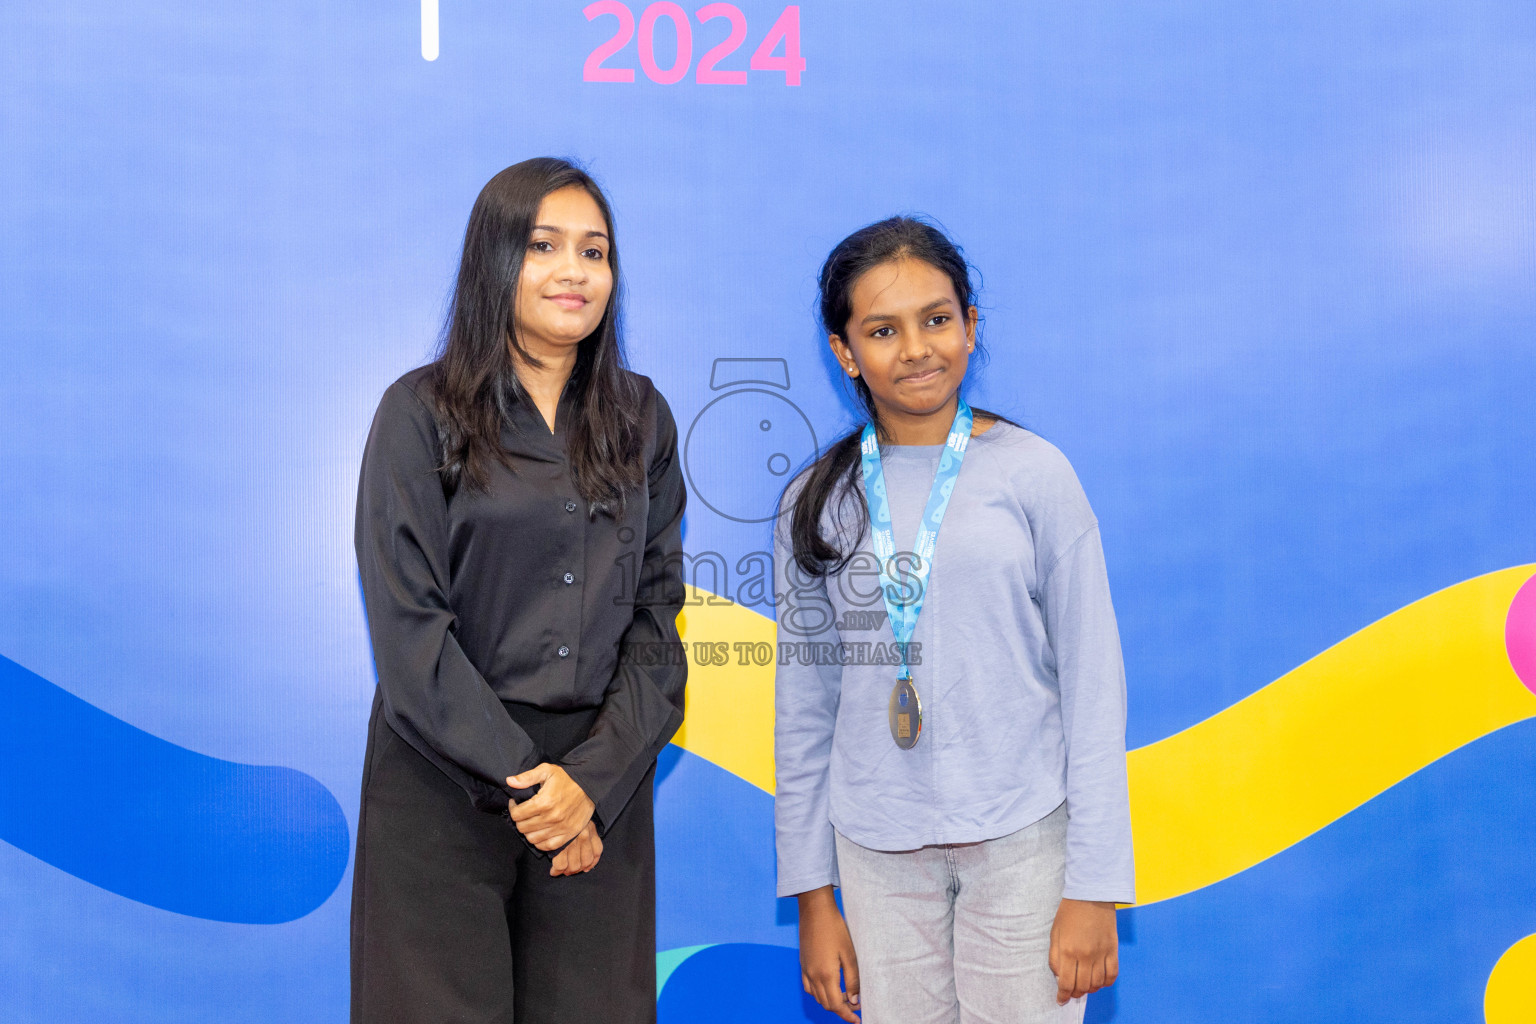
{"x": 472, "y": 378}
{"x": 838, "y": 469}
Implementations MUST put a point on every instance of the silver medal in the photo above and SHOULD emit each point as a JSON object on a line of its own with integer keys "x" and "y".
{"x": 906, "y": 714}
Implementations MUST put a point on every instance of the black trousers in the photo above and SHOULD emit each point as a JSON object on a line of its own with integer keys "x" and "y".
{"x": 455, "y": 921}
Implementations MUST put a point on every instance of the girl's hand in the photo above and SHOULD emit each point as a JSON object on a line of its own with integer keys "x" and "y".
{"x": 581, "y": 855}
{"x": 1085, "y": 948}
{"x": 826, "y": 951}
{"x": 556, "y": 813}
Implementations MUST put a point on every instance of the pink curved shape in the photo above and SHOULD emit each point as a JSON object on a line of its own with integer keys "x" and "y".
{"x": 1520, "y": 634}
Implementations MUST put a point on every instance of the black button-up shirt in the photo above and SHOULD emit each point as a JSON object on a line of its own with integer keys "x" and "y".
{"x": 516, "y": 594}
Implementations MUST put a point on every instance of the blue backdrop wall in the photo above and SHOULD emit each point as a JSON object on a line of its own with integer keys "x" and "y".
{"x": 1266, "y": 273}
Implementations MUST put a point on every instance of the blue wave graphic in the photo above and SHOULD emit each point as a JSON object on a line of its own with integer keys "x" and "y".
{"x": 154, "y": 822}
{"x": 1395, "y": 913}
{"x": 714, "y": 859}
{"x": 745, "y": 983}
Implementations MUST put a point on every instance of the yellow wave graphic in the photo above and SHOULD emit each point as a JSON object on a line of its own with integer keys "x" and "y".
{"x": 1250, "y": 781}
{"x": 1325, "y": 737}
{"x": 729, "y": 713}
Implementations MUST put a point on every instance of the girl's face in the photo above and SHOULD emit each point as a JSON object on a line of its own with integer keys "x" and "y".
{"x": 909, "y": 338}
{"x": 566, "y": 280}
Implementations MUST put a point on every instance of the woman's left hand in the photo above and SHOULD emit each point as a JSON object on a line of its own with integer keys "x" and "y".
{"x": 581, "y": 855}
{"x": 556, "y": 813}
{"x": 1085, "y": 948}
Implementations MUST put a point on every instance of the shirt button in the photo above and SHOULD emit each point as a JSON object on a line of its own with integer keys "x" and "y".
{"x": 570, "y": 506}
{"x": 570, "y": 577}
{"x": 564, "y": 651}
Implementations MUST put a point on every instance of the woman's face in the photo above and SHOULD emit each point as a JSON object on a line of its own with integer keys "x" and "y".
{"x": 908, "y": 337}
{"x": 563, "y": 290}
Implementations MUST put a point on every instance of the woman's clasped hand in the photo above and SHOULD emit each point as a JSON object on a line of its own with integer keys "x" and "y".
{"x": 558, "y": 815}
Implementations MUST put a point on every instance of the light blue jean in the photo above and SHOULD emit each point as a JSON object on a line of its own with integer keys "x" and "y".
{"x": 959, "y": 934}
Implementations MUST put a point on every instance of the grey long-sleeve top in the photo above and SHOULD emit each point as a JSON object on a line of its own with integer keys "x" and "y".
{"x": 516, "y": 594}
{"x": 1018, "y": 668}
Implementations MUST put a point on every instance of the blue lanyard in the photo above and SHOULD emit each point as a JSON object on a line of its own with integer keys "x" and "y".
{"x": 903, "y": 617}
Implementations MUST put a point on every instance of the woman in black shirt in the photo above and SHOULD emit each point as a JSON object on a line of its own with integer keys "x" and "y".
{"x": 519, "y": 538}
